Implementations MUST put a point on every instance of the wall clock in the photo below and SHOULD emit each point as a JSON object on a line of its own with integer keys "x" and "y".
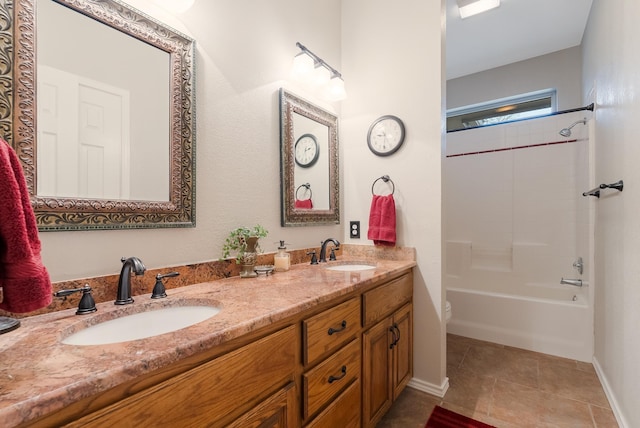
{"x": 306, "y": 150}
{"x": 386, "y": 135}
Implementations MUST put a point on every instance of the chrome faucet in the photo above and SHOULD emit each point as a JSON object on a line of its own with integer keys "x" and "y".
{"x": 574, "y": 282}
{"x": 323, "y": 250}
{"x": 124, "y": 282}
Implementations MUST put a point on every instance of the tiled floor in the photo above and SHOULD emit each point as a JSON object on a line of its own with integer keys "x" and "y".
{"x": 509, "y": 387}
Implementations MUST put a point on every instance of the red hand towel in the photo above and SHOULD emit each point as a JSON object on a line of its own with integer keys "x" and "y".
{"x": 25, "y": 282}
{"x": 305, "y": 204}
{"x": 382, "y": 221}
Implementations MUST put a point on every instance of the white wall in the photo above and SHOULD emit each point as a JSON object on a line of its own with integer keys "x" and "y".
{"x": 392, "y": 58}
{"x": 244, "y": 51}
{"x": 561, "y": 70}
{"x": 611, "y": 65}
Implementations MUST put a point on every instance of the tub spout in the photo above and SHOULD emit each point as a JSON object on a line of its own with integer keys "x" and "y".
{"x": 574, "y": 282}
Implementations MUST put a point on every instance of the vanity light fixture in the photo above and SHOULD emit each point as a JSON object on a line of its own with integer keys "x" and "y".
{"x": 310, "y": 68}
{"x": 469, "y": 8}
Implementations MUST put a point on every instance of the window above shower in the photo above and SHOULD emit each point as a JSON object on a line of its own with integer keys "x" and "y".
{"x": 519, "y": 107}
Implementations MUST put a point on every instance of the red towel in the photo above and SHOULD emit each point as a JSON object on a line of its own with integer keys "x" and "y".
{"x": 382, "y": 221}
{"x": 305, "y": 204}
{"x": 25, "y": 282}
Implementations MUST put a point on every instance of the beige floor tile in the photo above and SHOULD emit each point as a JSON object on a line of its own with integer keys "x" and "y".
{"x": 470, "y": 390}
{"x": 503, "y": 364}
{"x": 604, "y": 418}
{"x": 572, "y": 383}
{"x": 516, "y": 404}
{"x": 456, "y": 350}
{"x": 559, "y": 412}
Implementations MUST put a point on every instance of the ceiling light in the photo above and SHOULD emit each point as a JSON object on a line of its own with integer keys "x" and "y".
{"x": 469, "y": 8}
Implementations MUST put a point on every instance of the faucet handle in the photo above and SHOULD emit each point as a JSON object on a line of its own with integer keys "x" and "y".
{"x": 332, "y": 255}
{"x": 159, "y": 291}
{"x": 87, "y": 304}
{"x": 314, "y": 259}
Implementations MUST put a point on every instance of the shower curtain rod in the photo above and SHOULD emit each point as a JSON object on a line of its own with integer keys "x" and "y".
{"x": 589, "y": 107}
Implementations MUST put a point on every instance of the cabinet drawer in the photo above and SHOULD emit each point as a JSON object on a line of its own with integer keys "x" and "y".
{"x": 344, "y": 412}
{"x": 383, "y": 300}
{"x": 329, "y": 378}
{"x": 328, "y": 330}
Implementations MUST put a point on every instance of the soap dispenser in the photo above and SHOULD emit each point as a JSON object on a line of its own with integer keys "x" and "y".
{"x": 282, "y": 259}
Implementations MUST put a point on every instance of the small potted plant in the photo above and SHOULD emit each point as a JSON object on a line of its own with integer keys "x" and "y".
{"x": 244, "y": 242}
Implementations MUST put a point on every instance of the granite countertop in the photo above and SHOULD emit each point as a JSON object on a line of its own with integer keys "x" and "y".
{"x": 40, "y": 375}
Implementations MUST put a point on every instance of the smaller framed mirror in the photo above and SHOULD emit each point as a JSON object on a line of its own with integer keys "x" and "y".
{"x": 310, "y": 192}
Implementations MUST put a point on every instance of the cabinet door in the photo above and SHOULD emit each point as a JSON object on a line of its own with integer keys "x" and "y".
{"x": 277, "y": 411}
{"x": 377, "y": 366}
{"x": 403, "y": 349}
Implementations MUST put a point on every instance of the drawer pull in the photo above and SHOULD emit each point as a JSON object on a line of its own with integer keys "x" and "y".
{"x": 334, "y": 378}
{"x": 394, "y": 339}
{"x": 332, "y": 330}
{"x": 395, "y": 326}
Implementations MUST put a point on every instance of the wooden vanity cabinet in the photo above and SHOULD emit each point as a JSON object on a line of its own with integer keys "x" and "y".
{"x": 387, "y": 346}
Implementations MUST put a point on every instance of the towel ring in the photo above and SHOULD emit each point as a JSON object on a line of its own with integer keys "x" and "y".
{"x": 307, "y": 186}
{"x": 386, "y": 179}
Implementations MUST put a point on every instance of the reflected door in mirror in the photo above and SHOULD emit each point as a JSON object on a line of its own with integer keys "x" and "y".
{"x": 103, "y": 110}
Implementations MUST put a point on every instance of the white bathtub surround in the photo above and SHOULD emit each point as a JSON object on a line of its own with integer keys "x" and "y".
{"x": 516, "y": 224}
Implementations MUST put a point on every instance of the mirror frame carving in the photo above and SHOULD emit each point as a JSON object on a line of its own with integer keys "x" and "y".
{"x": 18, "y": 119}
{"x": 291, "y": 216}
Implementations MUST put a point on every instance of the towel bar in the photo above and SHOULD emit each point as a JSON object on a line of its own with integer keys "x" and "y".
{"x": 386, "y": 179}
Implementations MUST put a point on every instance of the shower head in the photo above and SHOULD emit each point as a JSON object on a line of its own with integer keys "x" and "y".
{"x": 566, "y": 132}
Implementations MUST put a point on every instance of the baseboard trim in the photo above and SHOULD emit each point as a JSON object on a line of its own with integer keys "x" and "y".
{"x": 615, "y": 407}
{"x": 430, "y": 388}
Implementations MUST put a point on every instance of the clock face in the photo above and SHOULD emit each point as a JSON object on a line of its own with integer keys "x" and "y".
{"x": 306, "y": 150}
{"x": 386, "y": 135}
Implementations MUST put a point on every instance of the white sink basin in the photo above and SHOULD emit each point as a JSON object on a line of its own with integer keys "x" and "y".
{"x": 141, "y": 325}
{"x": 351, "y": 267}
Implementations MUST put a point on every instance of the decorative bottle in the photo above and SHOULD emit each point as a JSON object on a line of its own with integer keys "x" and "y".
{"x": 282, "y": 259}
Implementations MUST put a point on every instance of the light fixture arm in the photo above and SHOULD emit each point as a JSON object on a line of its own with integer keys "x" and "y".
{"x": 319, "y": 61}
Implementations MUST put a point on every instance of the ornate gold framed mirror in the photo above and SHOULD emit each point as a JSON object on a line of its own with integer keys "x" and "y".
{"x": 310, "y": 192}
{"x": 126, "y": 156}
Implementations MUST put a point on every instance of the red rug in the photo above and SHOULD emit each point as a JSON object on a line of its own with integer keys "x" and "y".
{"x": 443, "y": 418}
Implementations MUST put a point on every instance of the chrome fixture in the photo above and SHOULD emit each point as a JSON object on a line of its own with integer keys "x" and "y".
{"x": 566, "y": 132}
{"x": 574, "y": 282}
{"x": 309, "y": 67}
{"x": 579, "y": 265}
{"x": 323, "y": 250}
{"x": 124, "y": 282}
{"x": 87, "y": 305}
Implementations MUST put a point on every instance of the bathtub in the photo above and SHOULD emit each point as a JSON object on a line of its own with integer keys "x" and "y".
{"x": 560, "y": 324}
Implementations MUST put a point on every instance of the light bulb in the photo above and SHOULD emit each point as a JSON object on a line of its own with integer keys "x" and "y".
{"x": 336, "y": 89}
{"x": 303, "y": 66}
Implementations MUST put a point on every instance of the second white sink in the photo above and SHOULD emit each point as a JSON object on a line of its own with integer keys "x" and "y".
{"x": 141, "y": 325}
